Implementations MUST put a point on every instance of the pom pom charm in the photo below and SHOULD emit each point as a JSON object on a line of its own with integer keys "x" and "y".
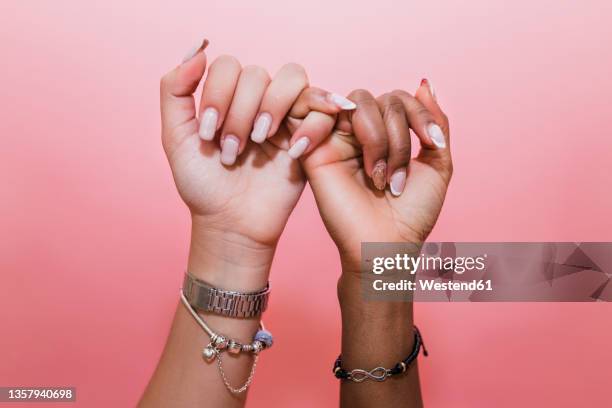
{"x": 264, "y": 337}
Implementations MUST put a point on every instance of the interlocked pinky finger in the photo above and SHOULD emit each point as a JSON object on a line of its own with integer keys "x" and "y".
{"x": 314, "y": 129}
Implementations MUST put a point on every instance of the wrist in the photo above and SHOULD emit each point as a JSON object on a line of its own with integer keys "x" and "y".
{"x": 374, "y": 333}
{"x": 355, "y": 307}
{"x": 228, "y": 260}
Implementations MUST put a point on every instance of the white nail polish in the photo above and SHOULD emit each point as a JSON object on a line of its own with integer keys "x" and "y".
{"x": 398, "y": 182}
{"x": 342, "y": 102}
{"x": 436, "y": 135}
{"x": 208, "y": 124}
{"x": 299, "y": 147}
{"x": 229, "y": 150}
{"x": 261, "y": 128}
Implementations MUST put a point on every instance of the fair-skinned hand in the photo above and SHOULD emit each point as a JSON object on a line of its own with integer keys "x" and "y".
{"x": 370, "y": 149}
{"x": 233, "y": 163}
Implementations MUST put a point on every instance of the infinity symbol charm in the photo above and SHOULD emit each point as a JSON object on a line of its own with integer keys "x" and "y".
{"x": 378, "y": 374}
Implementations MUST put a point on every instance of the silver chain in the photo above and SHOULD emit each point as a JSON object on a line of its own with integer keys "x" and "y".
{"x": 226, "y": 382}
{"x": 213, "y": 336}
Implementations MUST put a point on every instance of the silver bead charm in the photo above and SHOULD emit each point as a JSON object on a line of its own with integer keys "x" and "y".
{"x": 220, "y": 342}
{"x": 234, "y": 347}
{"x": 257, "y": 346}
{"x": 265, "y": 337}
{"x": 209, "y": 353}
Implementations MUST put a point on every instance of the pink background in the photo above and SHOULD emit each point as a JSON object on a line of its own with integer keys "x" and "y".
{"x": 94, "y": 237}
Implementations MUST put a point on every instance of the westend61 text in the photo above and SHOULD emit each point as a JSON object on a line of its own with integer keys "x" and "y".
{"x": 430, "y": 285}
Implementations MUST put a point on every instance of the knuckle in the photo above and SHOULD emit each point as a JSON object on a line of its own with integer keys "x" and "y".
{"x": 294, "y": 68}
{"x": 362, "y": 97}
{"x": 226, "y": 60}
{"x": 400, "y": 93}
{"x": 361, "y": 94}
{"x": 420, "y": 110}
{"x": 297, "y": 73}
{"x": 382, "y": 99}
{"x": 256, "y": 71}
{"x": 393, "y": 104}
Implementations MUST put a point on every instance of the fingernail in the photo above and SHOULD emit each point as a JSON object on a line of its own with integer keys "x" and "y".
{"x": 208, "y": 124}
{"x": 299, "y": 147}
{"x": 428, "y": 84}
{"x": 192, "y": 52}
{"x": 229, "y": 150}
{"x": 342, "y": 102}
{"x": 379, "y": 174}
{"x": 261, "y": 128}
{"x": 398, "y": 182}
{"x": 436, "y": 135}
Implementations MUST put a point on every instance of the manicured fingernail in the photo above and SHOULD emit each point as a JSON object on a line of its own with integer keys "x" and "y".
{"x": 398, "y": 182}
{"x": 379, "y": 174}
{"x": 261, "y": 128}
{"x": 192, "y": 52}
{"x": 229, "y": 150}
{"x": 208, "y": 124}
{"x": 436, "y": 135}
{"x": 428, "y": 84}
{"x": 341, "y": 102}
{"x": 299, "y": 147}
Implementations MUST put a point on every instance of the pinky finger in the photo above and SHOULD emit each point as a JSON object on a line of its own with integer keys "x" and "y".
{"x": 313, "y": 130}
{"x": 316, "y": 99}
{"x": 427, "y": 96}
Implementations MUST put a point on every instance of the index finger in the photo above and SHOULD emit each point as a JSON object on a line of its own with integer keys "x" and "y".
{"x": 369, "y": 128}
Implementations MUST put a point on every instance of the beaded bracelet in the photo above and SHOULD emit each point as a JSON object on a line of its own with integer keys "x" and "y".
{"x": 380, "y": 373}
{"x": 262, "y": 340}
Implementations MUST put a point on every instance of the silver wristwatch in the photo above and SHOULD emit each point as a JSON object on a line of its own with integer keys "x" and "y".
{"x": 206, "y": 298}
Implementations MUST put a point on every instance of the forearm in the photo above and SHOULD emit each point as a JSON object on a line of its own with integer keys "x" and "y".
{"x": 376, "y": 334}
{"x": 183, "y": 377}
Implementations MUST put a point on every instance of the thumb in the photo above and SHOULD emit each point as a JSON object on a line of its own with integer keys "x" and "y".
{"x": 177, "y": 88}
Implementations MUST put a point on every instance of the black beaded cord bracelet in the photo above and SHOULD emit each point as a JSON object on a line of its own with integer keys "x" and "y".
{"x": 380, "y": 373}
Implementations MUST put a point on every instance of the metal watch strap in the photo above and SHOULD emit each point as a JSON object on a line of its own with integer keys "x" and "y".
{"x": 206, "y": 298}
